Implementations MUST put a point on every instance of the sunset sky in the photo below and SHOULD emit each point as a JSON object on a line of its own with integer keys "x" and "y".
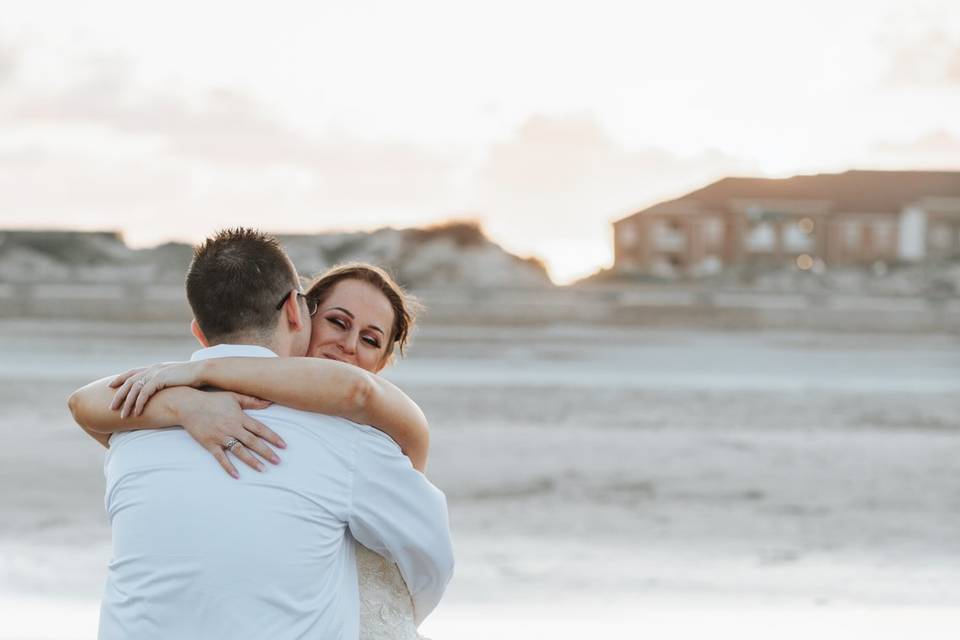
{"x": 545, "y": 121}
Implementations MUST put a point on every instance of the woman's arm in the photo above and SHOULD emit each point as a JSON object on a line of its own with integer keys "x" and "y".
{"x": 80, "y": 404}
{"x": 90, "y": 406}
{"x": 331, "y": 387}
{"x": 211, "y": 418}
{"x": 310, "y": 384}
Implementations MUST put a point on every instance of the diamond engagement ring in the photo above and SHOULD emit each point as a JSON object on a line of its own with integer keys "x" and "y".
{"x": 230, "y": 444}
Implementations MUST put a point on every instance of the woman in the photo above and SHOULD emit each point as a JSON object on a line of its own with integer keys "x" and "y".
{"x": 360, "y": 316}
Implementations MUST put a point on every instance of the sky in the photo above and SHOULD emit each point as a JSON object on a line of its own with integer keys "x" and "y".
{"x": 544, "y": 121}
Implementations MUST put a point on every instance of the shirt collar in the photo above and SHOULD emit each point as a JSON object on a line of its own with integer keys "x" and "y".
{"x": 233, "y": 351}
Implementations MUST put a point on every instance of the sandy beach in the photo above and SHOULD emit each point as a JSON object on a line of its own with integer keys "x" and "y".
{"x": 598, "y": 479}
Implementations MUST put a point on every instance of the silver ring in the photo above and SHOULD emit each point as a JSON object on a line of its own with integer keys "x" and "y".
{"x": 231, "y": 443}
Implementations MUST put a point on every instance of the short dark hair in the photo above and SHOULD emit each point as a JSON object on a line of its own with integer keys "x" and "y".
{"x": 235, "y": 281}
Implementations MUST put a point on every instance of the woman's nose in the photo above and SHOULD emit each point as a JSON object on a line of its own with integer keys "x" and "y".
{"x": 348, "y": 343}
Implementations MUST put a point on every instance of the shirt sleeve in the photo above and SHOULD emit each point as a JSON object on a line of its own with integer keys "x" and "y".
{"x": 397, "y": 513}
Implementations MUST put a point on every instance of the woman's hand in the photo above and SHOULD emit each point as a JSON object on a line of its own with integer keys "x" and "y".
{"x": 137, "y": 386}
{"x": 216, "y": 419}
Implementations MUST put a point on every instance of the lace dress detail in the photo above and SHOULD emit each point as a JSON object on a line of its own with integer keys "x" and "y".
{"x": 386, "y": 610}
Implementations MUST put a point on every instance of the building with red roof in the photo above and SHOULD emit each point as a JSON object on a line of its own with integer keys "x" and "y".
{"x": 809, "y": 221}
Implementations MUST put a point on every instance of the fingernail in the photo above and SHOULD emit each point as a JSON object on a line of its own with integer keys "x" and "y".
{"x": 236, "y": 476}
{"x": 275, "y": 460}
{"x": 260, "y": 467}
{"x": 283, "y": 445}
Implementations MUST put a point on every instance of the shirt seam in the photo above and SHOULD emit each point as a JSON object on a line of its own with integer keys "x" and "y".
{"x": 352, "y": 469}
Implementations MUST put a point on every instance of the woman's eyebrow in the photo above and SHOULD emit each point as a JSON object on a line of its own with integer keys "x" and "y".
{"x": 353, "y": 317}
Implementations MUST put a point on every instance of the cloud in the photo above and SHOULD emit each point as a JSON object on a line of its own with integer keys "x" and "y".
{"x": 9, "y": 62}
{"x": 104, "y": 150}
{"x": 930, "y": 58}
{"x": 218, "y": 125}
{"x": 570, "y": 165}
{"x": 939, "y": 149}
{"x": 559, "y": 181}
{"x": 104, "y": 144}
{"x": 940, "y": 141}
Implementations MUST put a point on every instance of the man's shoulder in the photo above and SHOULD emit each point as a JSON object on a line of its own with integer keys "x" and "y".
{"x": 121, "y": 439}
{"x": 327, "y": 430}
{"x": 150, "y": 448}
{"x": 378, "y": 454}
{"x": 375, "y": 439}
{"x": 288, "y": 415}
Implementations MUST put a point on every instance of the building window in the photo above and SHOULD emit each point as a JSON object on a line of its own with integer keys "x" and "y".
{"x": 668, "y": 237}
{"x": 663, "y": 268}
{"x": 713, "y": 232}
{"x": 795, "y": 240}
{"x": 708, "y": 266}
{"x": 762, "y": 238}
{"x": 850, "y": 235}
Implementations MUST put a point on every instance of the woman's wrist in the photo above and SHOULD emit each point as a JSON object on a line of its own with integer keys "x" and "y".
{"x": 178, "y": 402}
{"x": 204, "y": 373}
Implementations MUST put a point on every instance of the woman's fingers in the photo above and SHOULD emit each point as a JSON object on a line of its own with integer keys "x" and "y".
{"x": 117, "y": 397}
{"x": 259, "y": 429}
{"x": 136, "y": 384}
{"x": 251, "y": 402}
{"x": 120, "y": 397}
{"x": 145, "y": 393}
{"x": 217, "y": 451}
{"x": 120, "y": 379}
{"x": 240, "y": 450}
{"x": 253, "y": 443}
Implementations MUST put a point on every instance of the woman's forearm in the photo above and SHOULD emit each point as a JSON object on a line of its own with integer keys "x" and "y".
{"x": 309, "y": 384}
{"x": 330, "y": 387}
{"x": 90, "y": 406}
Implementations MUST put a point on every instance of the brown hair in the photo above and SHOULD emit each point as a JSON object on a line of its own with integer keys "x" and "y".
{"x": 405, "y": 306}
{"x": 235, "y": 281}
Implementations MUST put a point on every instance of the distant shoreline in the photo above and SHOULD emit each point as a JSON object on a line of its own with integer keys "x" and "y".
{"x": 612, "y": 305}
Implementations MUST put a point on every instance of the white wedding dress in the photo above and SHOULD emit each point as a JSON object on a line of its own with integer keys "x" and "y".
{"x": 386, "y": 610}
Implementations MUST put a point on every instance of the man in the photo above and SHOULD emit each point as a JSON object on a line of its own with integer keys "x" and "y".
{"x": 197, "y": 554}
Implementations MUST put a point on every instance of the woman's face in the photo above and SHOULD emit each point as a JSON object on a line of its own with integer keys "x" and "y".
{"x": 353, "y": 325}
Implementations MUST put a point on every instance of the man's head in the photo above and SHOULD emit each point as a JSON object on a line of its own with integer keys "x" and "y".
{"x": 243, "y": 289}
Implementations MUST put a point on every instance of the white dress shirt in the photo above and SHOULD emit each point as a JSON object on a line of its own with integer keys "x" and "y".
{"x": 198, "y": 554}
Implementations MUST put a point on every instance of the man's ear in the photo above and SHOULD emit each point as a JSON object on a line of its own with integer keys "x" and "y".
{"x": 291, "y": 309}
{"x": 198, "y": 333}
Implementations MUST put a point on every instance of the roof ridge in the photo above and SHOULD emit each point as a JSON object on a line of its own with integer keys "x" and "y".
{"x": 866, "y": 190}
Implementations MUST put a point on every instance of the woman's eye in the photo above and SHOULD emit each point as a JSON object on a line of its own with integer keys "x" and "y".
{"x": 372, "y": 342}
{"x": 338, "y": 322}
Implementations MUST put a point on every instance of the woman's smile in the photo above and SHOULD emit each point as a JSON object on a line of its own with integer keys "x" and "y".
{"x": 353, "y": 326}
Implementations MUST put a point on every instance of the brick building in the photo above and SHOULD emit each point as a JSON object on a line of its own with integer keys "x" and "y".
{"x": 851, "y": 218}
